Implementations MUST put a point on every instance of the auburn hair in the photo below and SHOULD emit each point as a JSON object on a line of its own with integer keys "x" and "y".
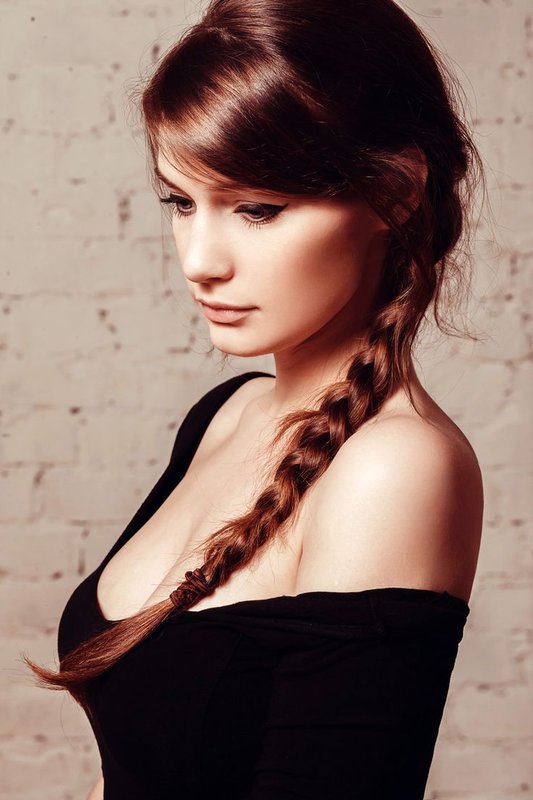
{"x": 313, "y": 99}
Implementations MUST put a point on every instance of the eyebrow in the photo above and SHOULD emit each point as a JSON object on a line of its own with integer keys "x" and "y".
{"x": 165, "y": 180}
{"x": 216, "y": 188}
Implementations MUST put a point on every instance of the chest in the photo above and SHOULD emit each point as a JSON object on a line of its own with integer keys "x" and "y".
{"x": 222, "y": 482}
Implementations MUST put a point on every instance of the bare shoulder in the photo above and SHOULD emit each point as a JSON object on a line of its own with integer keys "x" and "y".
{"x": 401, "y": 504}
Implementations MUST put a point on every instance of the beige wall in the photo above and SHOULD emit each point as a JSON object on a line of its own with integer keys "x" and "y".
{"x": 102, "y": 355}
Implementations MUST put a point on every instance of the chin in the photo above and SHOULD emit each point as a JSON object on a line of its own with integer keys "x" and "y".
{"x": 243, "y": 352}
{"x": 245, "y": 348}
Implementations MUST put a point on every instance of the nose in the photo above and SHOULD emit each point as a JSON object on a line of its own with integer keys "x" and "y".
{"x": 203, "y": 252}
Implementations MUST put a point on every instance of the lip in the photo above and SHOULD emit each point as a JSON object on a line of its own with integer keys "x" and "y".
{"x": 223, "y": 313}
{"x": 223, "y": 306}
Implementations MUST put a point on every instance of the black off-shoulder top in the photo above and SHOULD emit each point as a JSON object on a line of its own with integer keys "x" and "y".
{"x": 322, "y": 695}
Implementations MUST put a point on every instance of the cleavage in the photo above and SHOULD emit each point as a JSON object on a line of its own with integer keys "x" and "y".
{"x": 220, "y": 484}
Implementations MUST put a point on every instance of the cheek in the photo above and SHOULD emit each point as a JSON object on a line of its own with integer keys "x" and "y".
{"x": 320, "y": 268}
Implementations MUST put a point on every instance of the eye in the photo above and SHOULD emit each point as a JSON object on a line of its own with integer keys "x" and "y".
{"x": 267, "y": 213}
{"x": 176, "y": 200}
{"x": 261, "y": 213}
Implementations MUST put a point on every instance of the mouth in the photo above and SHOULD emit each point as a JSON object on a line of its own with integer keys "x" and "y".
{"x": 224, "y": 314}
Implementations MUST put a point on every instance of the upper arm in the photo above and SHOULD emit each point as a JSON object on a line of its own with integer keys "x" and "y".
{"x": 400, "y": 506}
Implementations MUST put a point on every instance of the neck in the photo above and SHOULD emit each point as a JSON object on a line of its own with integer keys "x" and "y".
{"x": 298, "y": 384}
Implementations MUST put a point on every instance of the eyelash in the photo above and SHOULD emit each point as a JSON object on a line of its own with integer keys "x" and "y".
{"x": 274, "y": 211}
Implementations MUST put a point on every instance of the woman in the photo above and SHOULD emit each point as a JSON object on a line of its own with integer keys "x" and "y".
{"x": 282, "y": 615}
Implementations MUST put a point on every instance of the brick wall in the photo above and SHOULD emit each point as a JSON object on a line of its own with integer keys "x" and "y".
{"x": 102, "y": 355}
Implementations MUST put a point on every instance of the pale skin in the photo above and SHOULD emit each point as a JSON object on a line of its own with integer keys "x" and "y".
{"x": 401, "y": 503}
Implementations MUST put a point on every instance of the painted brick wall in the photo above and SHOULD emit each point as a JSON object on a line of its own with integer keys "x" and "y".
{"x": 103, "y": 354}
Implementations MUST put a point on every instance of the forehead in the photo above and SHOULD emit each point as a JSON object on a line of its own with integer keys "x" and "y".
{"x": 204, "y": 181}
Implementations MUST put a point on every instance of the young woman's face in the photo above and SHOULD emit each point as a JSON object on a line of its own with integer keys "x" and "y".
{"x": 306, "y": 270}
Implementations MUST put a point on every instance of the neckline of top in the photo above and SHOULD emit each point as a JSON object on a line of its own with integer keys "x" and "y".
{"x": 393, "y": 592}
{"x": 388, "y": 592}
